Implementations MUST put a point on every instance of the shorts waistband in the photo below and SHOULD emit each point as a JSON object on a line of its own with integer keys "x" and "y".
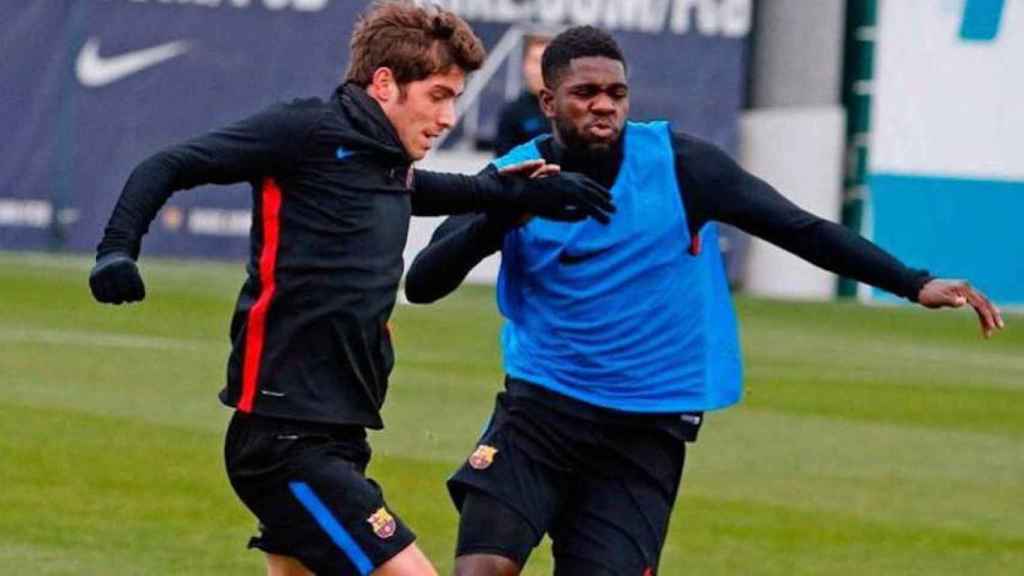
{"x": 523, "y": 389}
{"x": 274, "y": 424}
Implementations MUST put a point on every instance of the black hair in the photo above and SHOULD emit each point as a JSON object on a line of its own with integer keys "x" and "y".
{"x": 577, "y": 42}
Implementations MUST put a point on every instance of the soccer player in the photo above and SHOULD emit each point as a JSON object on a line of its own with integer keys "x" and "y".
{"x": 619, "y": 337}
{"x": 333, "y": 189}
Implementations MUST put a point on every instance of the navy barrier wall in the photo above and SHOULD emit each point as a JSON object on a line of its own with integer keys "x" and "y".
{"x": 89, "y": 88}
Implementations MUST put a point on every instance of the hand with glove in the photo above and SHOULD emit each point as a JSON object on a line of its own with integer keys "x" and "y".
{"x": 532, "y": 187}
{"x": 565, "y": 196}
{"x": 115, "y": 279}
{"x": 506, "y": 219}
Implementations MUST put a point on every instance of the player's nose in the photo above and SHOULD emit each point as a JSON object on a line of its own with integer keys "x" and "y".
{"x": 602, "y": 104}
{"x": 446, "y": 119}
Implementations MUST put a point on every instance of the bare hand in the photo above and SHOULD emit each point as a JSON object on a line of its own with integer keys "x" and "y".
{"x": 941, "y": 293}
{"x": 532, "y": 169}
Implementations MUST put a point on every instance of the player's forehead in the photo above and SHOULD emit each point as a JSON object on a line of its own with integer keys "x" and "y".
{"x": 451, "y": 81}
{"x": 595, "y": 71}
{"x": 536, "y": 49}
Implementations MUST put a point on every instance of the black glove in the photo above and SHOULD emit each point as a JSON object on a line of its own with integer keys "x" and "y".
{"x": 567, "y": 196}
{"x": 115, "y": 279}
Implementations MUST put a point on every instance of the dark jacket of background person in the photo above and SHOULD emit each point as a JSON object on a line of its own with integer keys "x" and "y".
{"x": 521, "y": 121}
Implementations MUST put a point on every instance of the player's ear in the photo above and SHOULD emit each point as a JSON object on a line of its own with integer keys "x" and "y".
{"x": 547, "y": 102}
{"x": 383, "y": 87}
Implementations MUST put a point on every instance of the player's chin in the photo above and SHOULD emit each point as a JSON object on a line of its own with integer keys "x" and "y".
{"x": 601, "y": 141}
{"x": 600, "y": 146}
{"x": 419, "y": 151}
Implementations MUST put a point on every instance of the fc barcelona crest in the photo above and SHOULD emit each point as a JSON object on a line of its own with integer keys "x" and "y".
{"x": 383, "y": 523}
{"x": 482, "y": 457}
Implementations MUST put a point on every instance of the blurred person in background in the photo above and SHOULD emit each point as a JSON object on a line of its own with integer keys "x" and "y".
{"x": 522, "y": 120}
{"x": 333, "y": 190}
{"x": 618, "y": 338}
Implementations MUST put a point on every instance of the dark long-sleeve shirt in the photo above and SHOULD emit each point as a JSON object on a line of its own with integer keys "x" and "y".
{"x": 333, "y": 190}
{"x": 713, "y": 188}
{"x": 521, "y": 120}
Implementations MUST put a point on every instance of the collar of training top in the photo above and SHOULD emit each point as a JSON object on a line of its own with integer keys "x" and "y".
{"x": 369, "y": 120}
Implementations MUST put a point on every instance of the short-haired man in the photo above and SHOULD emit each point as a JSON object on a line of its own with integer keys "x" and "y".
{"x": 522, "y": 120}
{"x": 618, "y": 338}
{"x": 333, "y": 189}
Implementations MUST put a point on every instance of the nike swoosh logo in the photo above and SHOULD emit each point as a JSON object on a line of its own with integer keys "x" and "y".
{"x": 341, "y": 153}
{"x": 94, "y": 70}
{"x": 571, "y": 259}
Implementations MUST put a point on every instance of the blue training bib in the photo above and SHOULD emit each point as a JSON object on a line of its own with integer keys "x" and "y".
{"x": 622, "y": 315}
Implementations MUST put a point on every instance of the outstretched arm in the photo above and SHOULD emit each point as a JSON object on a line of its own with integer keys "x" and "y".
{"x": 716, "y": 188}
{"x": 268, "y": 143}
{"x": 567, "y": 197}
{"x": 459, "y": 244}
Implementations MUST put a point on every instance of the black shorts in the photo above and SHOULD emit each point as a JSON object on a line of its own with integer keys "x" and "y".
{"x": 601, "y": 483}
{"x": 306, "y": 484}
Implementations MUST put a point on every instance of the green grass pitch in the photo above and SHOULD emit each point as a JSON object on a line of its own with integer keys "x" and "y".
{"x": 870, "y": 441}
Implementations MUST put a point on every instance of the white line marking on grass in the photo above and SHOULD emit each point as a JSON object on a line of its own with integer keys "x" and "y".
{"x": 103, "y": 339}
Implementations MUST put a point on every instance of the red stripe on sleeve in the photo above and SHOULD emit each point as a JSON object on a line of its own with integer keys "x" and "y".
{"x": 695, "y": 245}
{"x": 256, "y": 327}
